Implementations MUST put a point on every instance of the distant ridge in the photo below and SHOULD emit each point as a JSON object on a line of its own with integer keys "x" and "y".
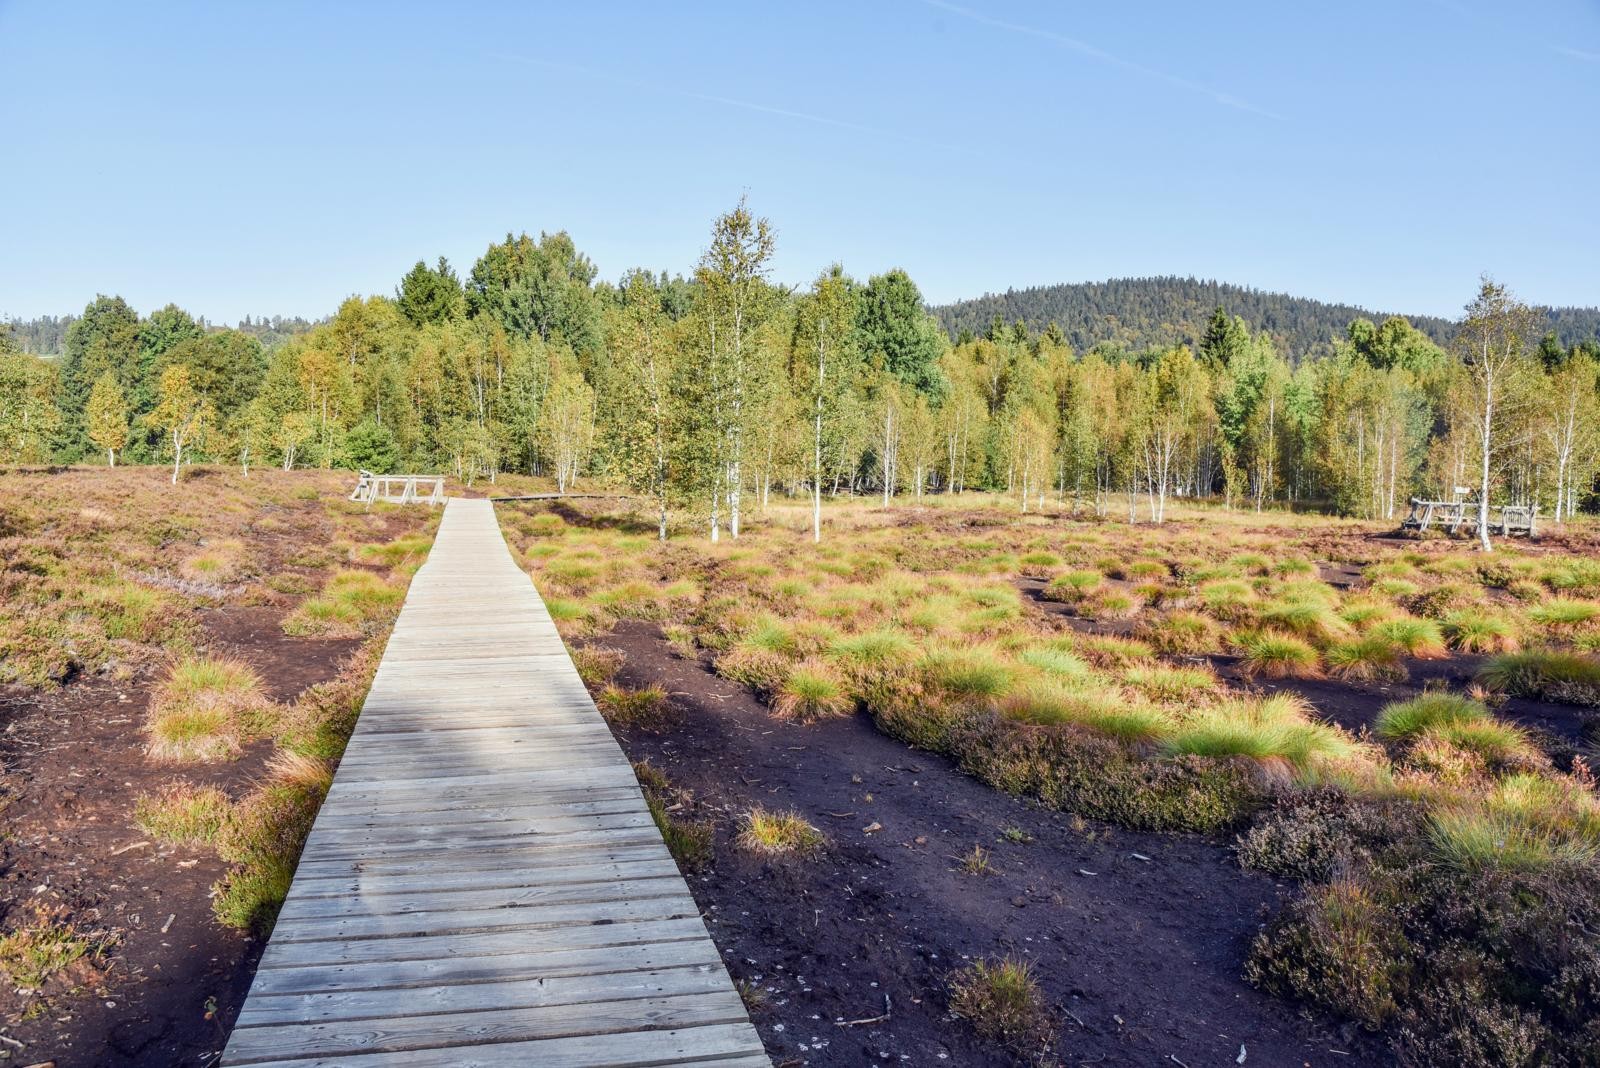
{"x": 1140, "y": 313}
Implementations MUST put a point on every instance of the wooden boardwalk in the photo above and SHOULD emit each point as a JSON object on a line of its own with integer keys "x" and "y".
{"x": 484, "y": 885}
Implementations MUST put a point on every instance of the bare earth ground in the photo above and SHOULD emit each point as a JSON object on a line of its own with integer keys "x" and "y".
{"x": 1139, "y": 939}
{"x": 170, "y": 982}
{"x": 71, "y": 841}
{"x": 1563, "y": 731}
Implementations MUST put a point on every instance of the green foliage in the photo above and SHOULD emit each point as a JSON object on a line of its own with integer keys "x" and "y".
{"x": 537, "y": 289}
{"x": 894, "y": 328}
{"x": 370, "y": 446}
{"x": 430, "y": 294}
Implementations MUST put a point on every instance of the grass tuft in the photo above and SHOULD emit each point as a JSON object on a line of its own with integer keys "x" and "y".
{"x": 1269, "y": 730}
{"x": 33, "y": 953}
{"x": 1475, "y": 631}
{"x": 1003, "y": 1002}
{"x": 812, "y": 691}
{"x": 182, "y": 813}
{"x": 199, "y": 712}
{"x": 1406, "y": 720}
{"x": 623, "y": 707}
{"x": 1277, "y": 656}
{"x": 1545, "y": 673}
{"x": 1369, "y": 657}
{"x": 779, "y": 834}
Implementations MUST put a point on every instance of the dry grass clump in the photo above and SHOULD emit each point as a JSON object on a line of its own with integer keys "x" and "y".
{"x": 1277, "y": 656}
{"x": 689, "y": 841}
{"x": 1373, "y": 656}
{"x": 1087, "y": 702}
{"x": 406, "y": 552}
{"x": 1406, "y": 720}
{"x": 779, "y": 834}
{"x": 1230, "y": 600}
{"x": 873, "y": 650}
{"x": 220, "y": 560}
{"x": 1455, "y": 738}
{"x": 1572, "y": 575}
{"x": 1172, "y": 684}
{"x": 182, "y": 813}
{"x": 46, "y": 945}
{"x": 812, "y": 691}
{"x": 598, "y": 664}
{"x": 201, "y": 711}
{"x": 1314, "y": 620}
{"x": 262, "y": 838}
{"x": 1274, "y": 731}
{"x": 975, "y": 673}
{"x": 1418, "y": 638}
{"x": 1474, "y": 631}
{"x": 1055, "y": 661}
{"x": 350, "y": 605}
{"x": 1110, "y": 604}
{"x": 633, "y": 599}
{"x": 130, "y": 612}
{"x": 1526, "y": 821}
{"x": 748, "y": 664}
{"x": 1565, "y": 617}
{"x": 1110, "y": 652}
{"x": 1073, "y": 586}
{"x": 1182, "y": 632}
{"x": 1545, "y": 673}
{"x": 1002, "y": 1001}
{"x": 645, "y": 707}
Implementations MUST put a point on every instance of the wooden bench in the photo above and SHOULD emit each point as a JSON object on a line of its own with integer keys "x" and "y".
{"x": 1461, "y": 517}
{"x": 399, "y": 489}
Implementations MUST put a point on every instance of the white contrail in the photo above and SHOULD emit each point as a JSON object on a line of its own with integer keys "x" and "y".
{"x": 1087, "y": 49}
{"x": 728, "y": 101}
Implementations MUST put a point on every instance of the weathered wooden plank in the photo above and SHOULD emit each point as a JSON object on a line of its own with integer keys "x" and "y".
{"x": 536, "y": 863}
{"x": 600, "y": 904}
{"x": 720, "y": 1045}
{"x": 365, "y": 894}
{"x": 520, "y": 942}
{"x": 442, "y": 1031}
{"x": 484, "y": 884}
{"x": 487, "y": 996}
{"x": 389, "y": 974}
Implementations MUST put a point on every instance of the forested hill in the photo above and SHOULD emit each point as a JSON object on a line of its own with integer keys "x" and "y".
{"x": 1140, "y": 313}
{"x": 47, "y": 335}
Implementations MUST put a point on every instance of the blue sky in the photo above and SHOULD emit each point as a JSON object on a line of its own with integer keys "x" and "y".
{"x": 275, "y": 158}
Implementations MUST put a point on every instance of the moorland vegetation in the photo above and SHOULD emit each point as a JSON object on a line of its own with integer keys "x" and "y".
{"x": 1147, "y": 676}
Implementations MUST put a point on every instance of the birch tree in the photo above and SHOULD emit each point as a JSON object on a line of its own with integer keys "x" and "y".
{"x": 566, "y": 426}
{"x": 1492, "y": 342}
{"x": 180, "y": 412}
{"x": 107, "y": 415}
{"x": 1569, "y": 420}
{"x": 822, "y": 359}
{"x": 643, "y": 353}
{"x": 737, "y": 301}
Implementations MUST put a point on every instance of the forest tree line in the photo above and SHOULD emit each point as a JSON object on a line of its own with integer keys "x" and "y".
{"x": 1143, "y": 313}
{"x": 707, "y": 393}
